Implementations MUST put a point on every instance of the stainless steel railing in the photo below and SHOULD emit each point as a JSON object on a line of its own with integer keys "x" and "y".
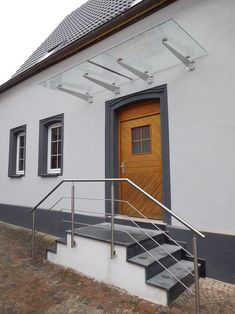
{"x": 113, "y": 253}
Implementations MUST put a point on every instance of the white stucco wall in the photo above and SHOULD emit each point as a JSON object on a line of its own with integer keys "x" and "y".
{"x": 201, "y": 120}
{"x": 96, "y": 263}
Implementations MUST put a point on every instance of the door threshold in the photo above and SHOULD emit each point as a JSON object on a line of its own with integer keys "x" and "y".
{"x": 141, "y": 222}
{"x": 138, "y": 219}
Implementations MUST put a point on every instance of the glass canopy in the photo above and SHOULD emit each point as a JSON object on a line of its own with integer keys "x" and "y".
{"x": 161, "y": 47}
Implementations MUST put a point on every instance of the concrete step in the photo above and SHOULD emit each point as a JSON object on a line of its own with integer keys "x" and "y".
{"x": 92, "y": 258}
{"x": 131, "y": 244}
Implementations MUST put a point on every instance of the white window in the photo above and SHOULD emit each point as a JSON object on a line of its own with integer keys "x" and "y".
{"x": 54, "y": 148}
{"x": 20, "y": 153}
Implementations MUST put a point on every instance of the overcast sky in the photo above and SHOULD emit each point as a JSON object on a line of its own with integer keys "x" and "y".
{"x": 24, "y": 25}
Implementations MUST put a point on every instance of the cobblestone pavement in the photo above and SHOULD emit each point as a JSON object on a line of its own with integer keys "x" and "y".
{"x": 33, "y": 285}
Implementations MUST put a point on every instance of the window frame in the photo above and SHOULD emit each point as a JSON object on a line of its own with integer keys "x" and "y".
{"x": 141, "y": 140}
{"x": 13, "y": 152}
{"x": 18, "y": 136}
{"x": 43, "y": 151}
{"x": 49, "y": 137}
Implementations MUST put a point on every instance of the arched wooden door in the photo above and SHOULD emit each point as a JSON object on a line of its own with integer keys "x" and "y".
{"x": 140, "y": 158}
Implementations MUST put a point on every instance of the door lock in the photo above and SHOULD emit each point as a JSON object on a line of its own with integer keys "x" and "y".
{"x": 122, "y": 167}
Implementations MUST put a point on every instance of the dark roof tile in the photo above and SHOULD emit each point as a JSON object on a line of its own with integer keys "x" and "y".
{"x": 80, "y": 22}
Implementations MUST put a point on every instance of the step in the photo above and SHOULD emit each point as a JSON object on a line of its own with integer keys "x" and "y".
{"x": 92, "y": 258}
{"x": 150, "y": 280}
{"x": 161, "y": 254}
{"x": 62, "y": 241}
{"x": 167, "y": 282}
{"x": 123, "y": 235}
{"x": 142, "y": 223}
{"x": 145, "y": 259}
{"x": 52, "y": 248}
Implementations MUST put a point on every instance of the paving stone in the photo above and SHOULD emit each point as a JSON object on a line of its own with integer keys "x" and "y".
{"x": 146, "y": 307}
{"x": 35, "y": 286}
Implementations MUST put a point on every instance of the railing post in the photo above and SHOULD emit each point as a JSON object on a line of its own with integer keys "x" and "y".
{"x": 195, "y": 260}
{"x": 33, "y": 235}
{"x": 113, "y": 253}
{"x": 72, "y": 214}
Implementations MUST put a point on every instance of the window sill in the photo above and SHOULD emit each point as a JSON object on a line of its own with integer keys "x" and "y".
{"x": 48, "y": 175}
{"x": 16, "y": 176}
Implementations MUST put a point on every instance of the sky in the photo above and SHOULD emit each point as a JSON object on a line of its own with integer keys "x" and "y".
{"x": 24, "y": 25}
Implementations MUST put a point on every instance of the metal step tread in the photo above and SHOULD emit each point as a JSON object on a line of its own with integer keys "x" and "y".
{"x": 145, "y": 259}
{"x": 166, "y": 281}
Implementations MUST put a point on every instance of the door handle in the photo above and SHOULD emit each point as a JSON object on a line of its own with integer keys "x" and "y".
{"x": 122, "y": 167}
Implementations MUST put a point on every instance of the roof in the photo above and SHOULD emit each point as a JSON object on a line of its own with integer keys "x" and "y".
{"x": 91, "y": 22}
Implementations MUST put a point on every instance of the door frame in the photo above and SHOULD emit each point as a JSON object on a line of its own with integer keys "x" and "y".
{"x": 112, "y": 107}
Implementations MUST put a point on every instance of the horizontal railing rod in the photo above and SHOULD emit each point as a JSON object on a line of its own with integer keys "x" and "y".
{"x": 186, "y": 224}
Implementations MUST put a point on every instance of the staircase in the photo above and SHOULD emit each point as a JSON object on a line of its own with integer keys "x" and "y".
{"x": 147, "y": 264}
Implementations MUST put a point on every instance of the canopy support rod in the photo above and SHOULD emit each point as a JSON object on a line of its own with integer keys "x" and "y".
{"x": 185, "y": 60}
{"x": 86, "y": 96}
{"x": 146, "y": 76}
{"x": 110, "y": 70}
{"x": 112, "y": 87}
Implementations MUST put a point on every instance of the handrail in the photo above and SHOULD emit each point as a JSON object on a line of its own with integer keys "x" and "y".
{"x": 189, "y": 226}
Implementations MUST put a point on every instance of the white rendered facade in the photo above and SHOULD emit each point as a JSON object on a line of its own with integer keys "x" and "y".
{"x": 201, "y": 121}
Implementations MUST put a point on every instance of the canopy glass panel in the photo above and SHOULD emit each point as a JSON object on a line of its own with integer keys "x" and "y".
{"x": 147, "y": 51}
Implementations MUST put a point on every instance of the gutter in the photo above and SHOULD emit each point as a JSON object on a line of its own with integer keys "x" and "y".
{"x": 131, "y": 16}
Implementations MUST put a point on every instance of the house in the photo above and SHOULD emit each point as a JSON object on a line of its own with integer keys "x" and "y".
{"x": 130, "y": 89}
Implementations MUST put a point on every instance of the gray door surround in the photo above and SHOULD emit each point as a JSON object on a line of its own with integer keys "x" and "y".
{"x": 112, "y": 107}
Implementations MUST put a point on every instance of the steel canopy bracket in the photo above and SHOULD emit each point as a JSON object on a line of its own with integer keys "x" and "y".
{"x": 146, "y": 76}
{"x": 87, "y": 97}
{"x": 112, "y": 87}
{"x": 185, "y": 60}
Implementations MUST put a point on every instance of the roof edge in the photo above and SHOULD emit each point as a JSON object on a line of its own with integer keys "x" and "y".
{"x": 130, "y": 16}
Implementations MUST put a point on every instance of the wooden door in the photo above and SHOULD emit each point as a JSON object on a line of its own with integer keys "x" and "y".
{"x": 140, "y": 158}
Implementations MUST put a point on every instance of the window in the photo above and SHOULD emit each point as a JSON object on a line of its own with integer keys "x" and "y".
{"x": 50, "y": 162}
{"x": 20, "y": 153}
{"x": 17, "y": 152}
{"x": 54, "y": 148}
{"x": 141, "y": 141}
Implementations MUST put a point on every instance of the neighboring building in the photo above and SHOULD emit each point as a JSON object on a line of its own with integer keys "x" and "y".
{"x": 167, "y": 123}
